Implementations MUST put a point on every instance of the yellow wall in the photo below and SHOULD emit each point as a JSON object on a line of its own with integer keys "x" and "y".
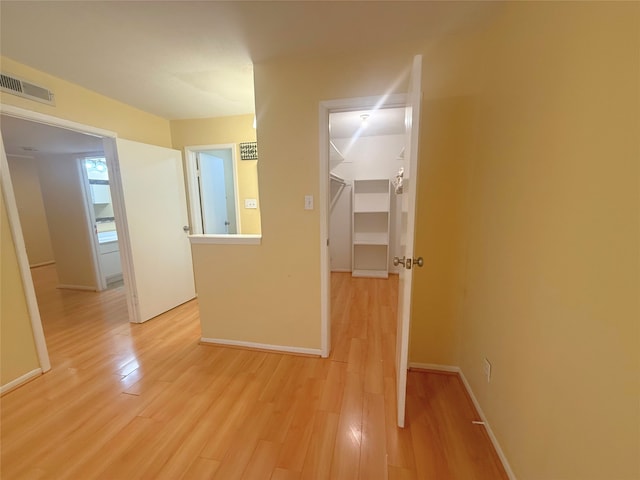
{"x": 64, "y": 200}
{"x": 83, "y": 106}
{"x": 17, "y": 349}
{"x": 270, "y": 293}
{"x": 26, "y": 186}
{"x": 552, "y": 283}
{"x": 80, "y": 105}
{"x": 221, "y": 130}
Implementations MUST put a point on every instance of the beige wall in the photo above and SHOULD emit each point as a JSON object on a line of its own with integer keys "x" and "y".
{"x": 270, "y": 293}
{"x": 65, "y": 206}
{"x": 78, "y": 104}
{"x": 33, "y": 219}
{"x": 221, "y": 130}
{"x": 552, "y": 288}
{"x": 17, "y": 349}
{"x": 83, "y": 106}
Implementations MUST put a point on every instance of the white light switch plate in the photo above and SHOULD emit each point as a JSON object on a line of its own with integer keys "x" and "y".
{"x": 308, "y": 202}
{"x": 250, "y": 203}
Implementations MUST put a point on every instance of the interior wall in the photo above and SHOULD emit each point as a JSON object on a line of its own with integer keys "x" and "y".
{"x": 553, "y": 243}
{"x": 221, "y": 130}
{"x": 18, "y": 354}
{"x": 78, "y": 104}
{"x": 83, "y": 106}
{"x": 33, "y": 219}
{"x": 65, "y": 207}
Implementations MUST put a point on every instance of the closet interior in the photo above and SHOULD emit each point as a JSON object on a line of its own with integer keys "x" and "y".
{"x": 366, "y": 149}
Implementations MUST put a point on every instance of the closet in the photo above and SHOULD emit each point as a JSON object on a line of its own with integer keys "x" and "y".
{"x": 365, "y": 154}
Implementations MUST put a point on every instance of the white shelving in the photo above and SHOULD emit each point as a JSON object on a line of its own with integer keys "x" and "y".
{"x": 370, "y": 224}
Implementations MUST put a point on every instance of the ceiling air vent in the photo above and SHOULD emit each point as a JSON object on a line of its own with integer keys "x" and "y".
{"x": 22, "y": 88}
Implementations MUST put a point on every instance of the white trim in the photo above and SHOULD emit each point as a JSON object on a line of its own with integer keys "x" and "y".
{"x": 341, "y": 270}
{"x": 110, "y": 146}
{"x": 434, "y": 366}
{"x": 23, "y": 261}
{"x": 42, "y": 264}
{"x": 494, "y": 440}
{"x": 64, "y": 286}
{"x": 21, "y": 380}
{"x": 262, "y": 346}
{"x": 476, "y": 404}
{"x": 90, "y": 222}
{"x": 195, "y": 208}
{"x": 54, "y": 121}
{"x": 324, "y": 109}
{"x": 238, "y": 239}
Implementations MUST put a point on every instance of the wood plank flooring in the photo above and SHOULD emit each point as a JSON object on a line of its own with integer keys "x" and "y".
{"x": 127, "y": 401}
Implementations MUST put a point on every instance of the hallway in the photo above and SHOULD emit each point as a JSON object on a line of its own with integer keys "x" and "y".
{"x": 148, "y": 401}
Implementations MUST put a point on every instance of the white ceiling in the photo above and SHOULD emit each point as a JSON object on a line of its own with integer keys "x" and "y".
{"x": 31, "y": 139}
{"x": 386, "y": 121}
{"x": 186, "y": 59}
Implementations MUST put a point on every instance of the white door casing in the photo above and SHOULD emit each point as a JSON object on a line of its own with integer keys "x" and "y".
{"x": 407, "y": 222}
{"x": 155, "y": 213}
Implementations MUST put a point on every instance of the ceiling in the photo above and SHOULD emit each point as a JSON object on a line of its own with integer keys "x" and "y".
{"x": 364, "y": 123}
{"x": 24, "y": 138}
{"x": 188, "y": 59}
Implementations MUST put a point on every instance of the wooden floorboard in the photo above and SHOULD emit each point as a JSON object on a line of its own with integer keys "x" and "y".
{"x": 126, "y": 401}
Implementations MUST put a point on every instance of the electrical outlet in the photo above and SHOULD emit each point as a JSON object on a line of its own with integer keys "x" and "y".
{"x": 308, "y": 202}
{"x": 250, "y": 203}
{"x": 486, "y": 368}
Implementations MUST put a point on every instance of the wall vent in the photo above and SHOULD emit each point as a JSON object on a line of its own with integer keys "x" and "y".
{"x": 22, "y": 88}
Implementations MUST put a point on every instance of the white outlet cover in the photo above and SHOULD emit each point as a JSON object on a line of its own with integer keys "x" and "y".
{"x": 308, "y": 202}
{"x": 250, "y": 203}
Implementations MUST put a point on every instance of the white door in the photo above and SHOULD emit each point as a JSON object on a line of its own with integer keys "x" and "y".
{"x": 152, "y": 231}
{"x": 213, "y": 194}
{"x": 405, "y": 249}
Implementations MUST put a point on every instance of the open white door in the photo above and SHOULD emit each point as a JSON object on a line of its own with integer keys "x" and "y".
{"x": 157, "y": 261}
{"x": 408, "y": 213}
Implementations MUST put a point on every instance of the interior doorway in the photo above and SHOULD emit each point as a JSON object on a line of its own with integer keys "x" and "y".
{"x": 212, "y": 178}
{"x": 67, "y": 218}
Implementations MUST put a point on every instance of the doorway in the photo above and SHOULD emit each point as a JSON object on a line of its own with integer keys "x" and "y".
{"x": 212, "y": 177}
{"x": 57, "y": 212}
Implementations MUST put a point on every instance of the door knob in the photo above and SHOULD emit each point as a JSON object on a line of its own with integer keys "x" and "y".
{"x": 408, "y": 262}
{"x": 186, "y": 228}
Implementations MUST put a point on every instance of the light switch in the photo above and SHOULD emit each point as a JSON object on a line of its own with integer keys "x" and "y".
{"x": 308, "y": 202}
{"x": 250, "y": 203}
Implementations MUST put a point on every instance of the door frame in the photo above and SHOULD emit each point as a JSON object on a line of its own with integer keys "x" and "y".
{"x": 195, "y": 209}
{"x": 110, "y": 152}
{"x": 327, "y": 107}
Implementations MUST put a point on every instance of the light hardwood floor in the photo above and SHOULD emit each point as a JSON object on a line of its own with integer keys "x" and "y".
{"x": 147, "y": 401}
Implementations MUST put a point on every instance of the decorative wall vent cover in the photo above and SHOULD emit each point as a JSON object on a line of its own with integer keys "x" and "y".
{"x": 22, "y": 88}
{"x": 249, "y": 151}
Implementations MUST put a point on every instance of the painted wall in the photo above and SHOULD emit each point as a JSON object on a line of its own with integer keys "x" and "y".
{"x": 221, "y": 130}
{"x": 78, "y": 104}
{"x": 17, "y": 350}
{"x": 552, "y": 283}
{"x": 26, "y": 186}
{"x": 270, "y": 293}
{"x": 65, "y": 204}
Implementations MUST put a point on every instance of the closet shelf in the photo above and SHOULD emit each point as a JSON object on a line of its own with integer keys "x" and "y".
{"x": 370, "y": 228}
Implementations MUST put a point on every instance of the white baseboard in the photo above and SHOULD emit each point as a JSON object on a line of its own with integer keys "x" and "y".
{"x": 20, "y": 381}
{"x": 492, "y": 437}
{"x": 262, "y": 346}
{"x": 434, "y": 366}
{"x": 42, "y": 264}
{"x": 341, "y": 270}
{"x": 76, "y": 287}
